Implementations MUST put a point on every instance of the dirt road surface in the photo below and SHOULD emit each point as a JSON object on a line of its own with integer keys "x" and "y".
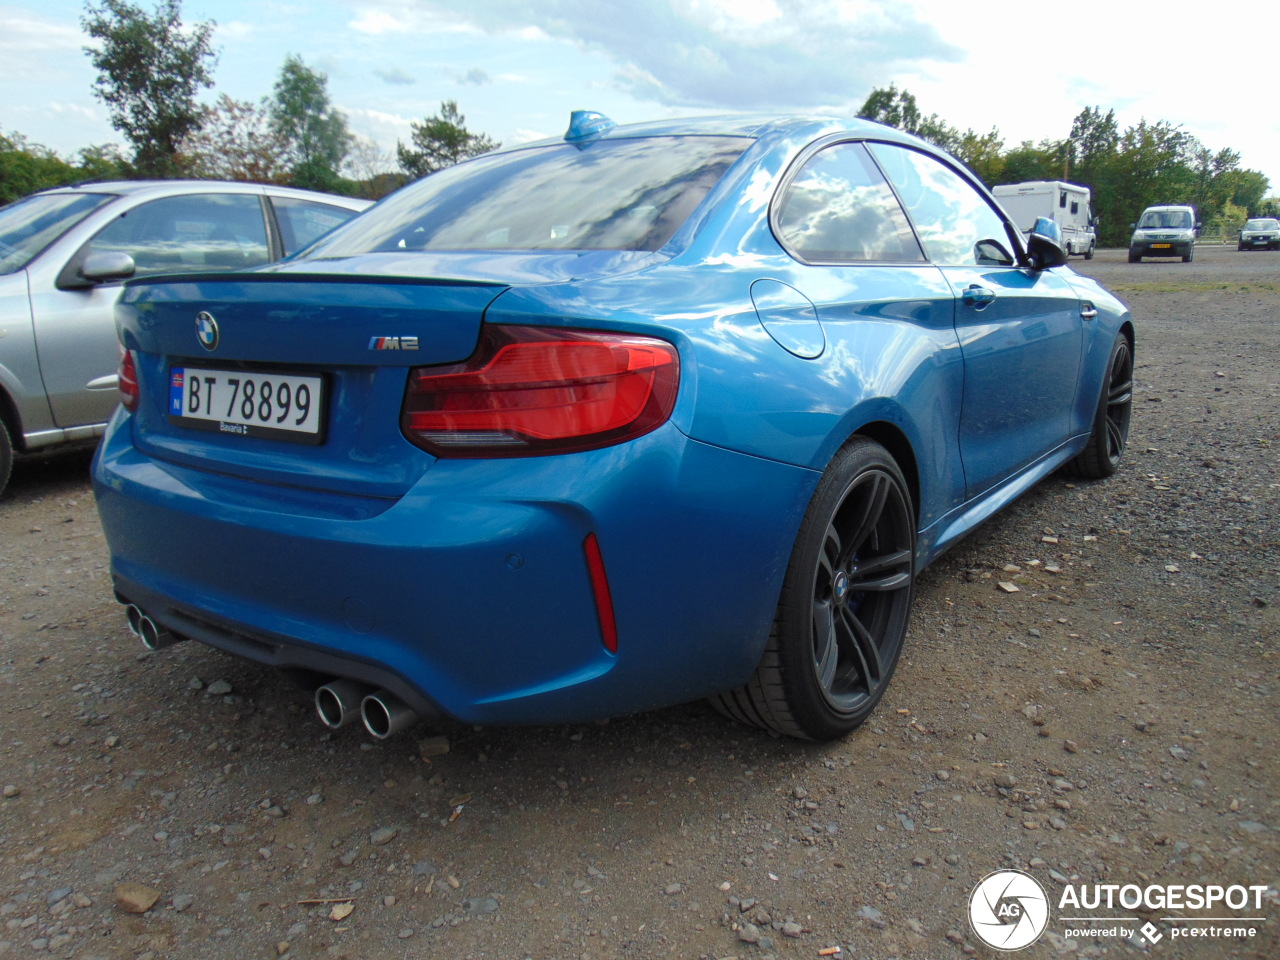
{"x": 1113, "y": 723}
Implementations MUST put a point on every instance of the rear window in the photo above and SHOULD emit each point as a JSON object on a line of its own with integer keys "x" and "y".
{"x": 630, "y": 194}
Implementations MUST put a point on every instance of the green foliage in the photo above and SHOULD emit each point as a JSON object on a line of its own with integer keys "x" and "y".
{"x": 149, "y": 72}
{"x": 314, "y": 133}
{"x": 1127, "y": 171}
{"x": 238, "y": 142}
{"x": 441, "y": 141}
{"x": 26, "y": 167}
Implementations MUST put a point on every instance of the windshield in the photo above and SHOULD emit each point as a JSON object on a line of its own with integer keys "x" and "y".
{"x": 28, "y": 226}
{"x": 1165, "y": 220}
{"x": 1262, "y": 225}
{"x": 611, "y": 195}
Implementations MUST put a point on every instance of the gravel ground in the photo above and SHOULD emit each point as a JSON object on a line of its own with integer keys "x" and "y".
{"x": 1111, "y": 722}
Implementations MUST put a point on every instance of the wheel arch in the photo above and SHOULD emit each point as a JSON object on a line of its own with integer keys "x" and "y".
{"x": 892, "y": 438}
{"x": 12, "y": 422}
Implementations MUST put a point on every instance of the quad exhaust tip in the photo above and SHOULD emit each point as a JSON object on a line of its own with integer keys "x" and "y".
{"x": 385, "y": 714}
{"x": 338, "y": 702}
{"x": 153, "y": 635}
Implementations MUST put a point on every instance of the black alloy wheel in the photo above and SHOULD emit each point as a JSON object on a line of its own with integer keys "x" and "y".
{"x": 845, "y": 603}
{"x": 1102, "y": 456}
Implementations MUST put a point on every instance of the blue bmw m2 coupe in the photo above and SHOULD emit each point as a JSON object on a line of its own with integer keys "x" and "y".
{"x": 595, "y": 425}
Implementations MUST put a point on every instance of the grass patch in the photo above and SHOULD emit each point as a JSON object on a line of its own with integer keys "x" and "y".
{"x": 1191, "y": 286}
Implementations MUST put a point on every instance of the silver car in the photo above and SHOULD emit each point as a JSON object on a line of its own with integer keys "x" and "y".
{"x": 64, "y": 254}
{"x": 1260, "y": 234}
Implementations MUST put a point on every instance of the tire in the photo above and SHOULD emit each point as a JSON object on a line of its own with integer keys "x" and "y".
{"x": 1187, "y": 257}
{"x": 6, "y": 456}
{"x": 1110, "y": 434}
{"x": 845, "y": 602}
{"x": 1134, "y": 258}
{"x": 1088, "y": 254}
{"x": 1240, "y": 247}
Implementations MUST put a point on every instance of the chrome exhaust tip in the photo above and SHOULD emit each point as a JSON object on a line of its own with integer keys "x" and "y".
{"x": 153, "y": 635}
{"x": 134, "y": 615}
{"x": 385, "y": 714}
{"x": 339, "y": 702}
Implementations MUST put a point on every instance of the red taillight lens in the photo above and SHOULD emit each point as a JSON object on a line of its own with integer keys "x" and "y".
{"x": 536, "y": 390}
{"x": 128, "y": 378}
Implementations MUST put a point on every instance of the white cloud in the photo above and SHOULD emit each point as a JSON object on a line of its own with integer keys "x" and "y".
{"x": 377, "y": 22}
{"x": 813, "y": 52}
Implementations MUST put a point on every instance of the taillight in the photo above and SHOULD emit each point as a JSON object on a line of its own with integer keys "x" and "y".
{"x": 129, "y": 395}
{"x": 538, "y": 390}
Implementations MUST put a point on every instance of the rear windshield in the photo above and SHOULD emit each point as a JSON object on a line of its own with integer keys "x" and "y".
{"x": 1166, "y": 220}
{"x": 611, "y": 195}
{"x": 28, "y": 226}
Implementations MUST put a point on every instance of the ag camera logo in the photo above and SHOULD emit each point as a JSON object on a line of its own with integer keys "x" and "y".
{"x": 1008, "y": 910}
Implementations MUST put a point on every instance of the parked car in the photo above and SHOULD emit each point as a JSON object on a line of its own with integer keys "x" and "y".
{"x": 588, "y": 426}
{"x": 63, "y": 255}
{"x": 1165, "y": 231}
{"x": 1260, "y": 233}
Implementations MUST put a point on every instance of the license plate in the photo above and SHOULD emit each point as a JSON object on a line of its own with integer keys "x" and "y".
{"x": 248, "y": 403}
{"x": 1161, "y": 246}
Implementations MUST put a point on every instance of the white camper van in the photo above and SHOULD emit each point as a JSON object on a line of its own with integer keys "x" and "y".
{"x": 1066, "y": 203}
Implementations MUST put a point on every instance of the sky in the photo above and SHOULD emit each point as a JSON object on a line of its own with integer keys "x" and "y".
{"x": 517, "y": 68}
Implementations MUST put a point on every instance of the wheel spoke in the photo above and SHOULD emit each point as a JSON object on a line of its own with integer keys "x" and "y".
{"x": 868, "y": 517}
{"x": 829, "y": 557}
{"x": 1115, "y": 439}
{"x": 883, "y": 574}
{"x": 863, "y": 653}
{"x": 826, "y": 650}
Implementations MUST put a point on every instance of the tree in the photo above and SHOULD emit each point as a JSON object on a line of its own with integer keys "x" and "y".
{"x": 372, "y": 169}
{"x": 150, "y": 71}
{"x": 238, "y": 142}
{"x": 441, "y": 141}
{"x": 26, "y": 167}
{"x": 314, "y": 131}
{"x": 898, "y": 108}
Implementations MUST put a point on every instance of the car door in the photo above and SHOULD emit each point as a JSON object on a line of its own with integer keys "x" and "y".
{"x": 75, "y": 321}
{"x": 1020, "y": 329}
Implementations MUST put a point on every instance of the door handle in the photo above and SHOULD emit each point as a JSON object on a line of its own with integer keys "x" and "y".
{"x": 977, "y": 296}
{"x": 1088, "y": 311}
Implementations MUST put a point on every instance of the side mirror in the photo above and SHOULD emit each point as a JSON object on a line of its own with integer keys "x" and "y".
{"x": 1044, "y": 245}
{"x": 107, "y": 266}
{"x": 1133, "y": 226}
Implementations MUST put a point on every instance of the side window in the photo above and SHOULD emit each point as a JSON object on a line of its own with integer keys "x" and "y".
{"x": 1062, "y": 199}
{"x": 955, "y": 224}
{"x": 1075, "y": 206}
{"x": 302, "y": 221}
{"x": 214, "y": 231}
{"x": 839, "y": 208}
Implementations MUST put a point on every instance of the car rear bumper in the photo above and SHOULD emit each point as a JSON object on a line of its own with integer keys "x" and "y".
{"x": 471, "y": 595}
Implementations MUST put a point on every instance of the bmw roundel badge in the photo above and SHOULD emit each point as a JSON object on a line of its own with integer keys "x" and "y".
{"x": 207, "y": 330}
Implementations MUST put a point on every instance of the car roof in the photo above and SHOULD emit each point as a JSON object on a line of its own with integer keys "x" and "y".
{"x": 129, "y": 188}
{"x": 755, "y": 126}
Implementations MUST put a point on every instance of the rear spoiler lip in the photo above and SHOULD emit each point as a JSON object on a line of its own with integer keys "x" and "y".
{"x": 241, "y": 276}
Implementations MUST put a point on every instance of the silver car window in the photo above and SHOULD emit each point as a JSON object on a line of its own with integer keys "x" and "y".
{"x": 215, "y": 231}
{"x": 305, "y": 221}
{"x": 28, "y": 226}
